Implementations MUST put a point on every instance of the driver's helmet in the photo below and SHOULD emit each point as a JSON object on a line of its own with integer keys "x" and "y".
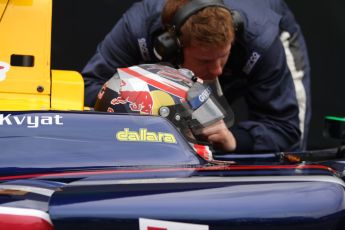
{"x": 156, "y": 89}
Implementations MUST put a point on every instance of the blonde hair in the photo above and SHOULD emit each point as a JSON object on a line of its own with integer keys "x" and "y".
{"x": 211, "y": 26}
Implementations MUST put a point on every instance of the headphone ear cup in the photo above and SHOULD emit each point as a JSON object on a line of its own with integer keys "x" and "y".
{"x": 167, "y": 47}
{"x": 238, "y": 22}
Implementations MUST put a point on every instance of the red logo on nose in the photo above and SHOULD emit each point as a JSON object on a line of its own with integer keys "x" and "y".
{"x": 155, "y": 228}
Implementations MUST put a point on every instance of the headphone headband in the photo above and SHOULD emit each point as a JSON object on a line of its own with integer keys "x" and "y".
{"x": 191, "y": 8}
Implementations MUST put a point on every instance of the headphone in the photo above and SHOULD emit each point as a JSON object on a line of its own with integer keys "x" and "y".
{"x": 167, "y": 46}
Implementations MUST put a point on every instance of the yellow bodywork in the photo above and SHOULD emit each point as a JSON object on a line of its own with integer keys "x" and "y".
{"x": 67, "y": 90}
{"x": 26, "y": 79}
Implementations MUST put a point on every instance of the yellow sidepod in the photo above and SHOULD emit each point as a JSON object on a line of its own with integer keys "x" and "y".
{"x": 26, "y": 79}
{"x": 67, "y": 90}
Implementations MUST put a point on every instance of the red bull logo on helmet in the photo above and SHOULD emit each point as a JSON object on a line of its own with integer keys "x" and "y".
{"x": 138, "y": 97}
{"x": 140, "y": 101}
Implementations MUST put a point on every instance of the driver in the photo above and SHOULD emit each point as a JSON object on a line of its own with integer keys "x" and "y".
{"x": 156, "y": 89}
{"x": 251, "y": 49}
{"x": 176, "y": 94}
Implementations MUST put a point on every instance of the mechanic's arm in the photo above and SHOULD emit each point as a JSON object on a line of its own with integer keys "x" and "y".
{"x": 219, "y": 136}
{"x": 273, "y": 123}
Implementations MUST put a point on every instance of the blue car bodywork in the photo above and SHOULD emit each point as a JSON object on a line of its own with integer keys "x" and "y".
{"x": 86, "y": 170}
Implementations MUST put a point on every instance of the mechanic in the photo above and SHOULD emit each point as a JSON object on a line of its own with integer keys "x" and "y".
{"x": 248, "y": 48}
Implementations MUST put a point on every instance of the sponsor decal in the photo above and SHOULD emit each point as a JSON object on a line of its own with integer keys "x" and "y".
{"x": 251, "y": 62}
{"x": 198, "y": 101}
{"x": 137, "y": 96}
{"x": 4, "y": 68}
{"x": 145, "y": 54}
{"x": 205, "y": 94}
{"x": 143, "y": 135}
{"x": 139, "y": 101}
{"x": 30, "y": 121}
{"x": 150, "y": 224}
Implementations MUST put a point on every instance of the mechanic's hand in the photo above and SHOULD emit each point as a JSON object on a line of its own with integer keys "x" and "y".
{"x": 219, "y": 136}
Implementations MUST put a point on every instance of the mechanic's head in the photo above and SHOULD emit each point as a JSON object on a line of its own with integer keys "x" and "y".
{"x": 205, "y": 35}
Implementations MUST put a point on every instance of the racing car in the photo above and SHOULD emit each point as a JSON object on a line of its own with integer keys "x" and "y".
{"x": 63, "y": 166}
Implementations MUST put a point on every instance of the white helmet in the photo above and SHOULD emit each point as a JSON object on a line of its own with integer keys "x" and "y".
{"x": 156, "y": 89}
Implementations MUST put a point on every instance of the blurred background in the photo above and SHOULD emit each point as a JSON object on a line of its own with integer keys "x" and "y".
{"x": 79, "y": 25}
